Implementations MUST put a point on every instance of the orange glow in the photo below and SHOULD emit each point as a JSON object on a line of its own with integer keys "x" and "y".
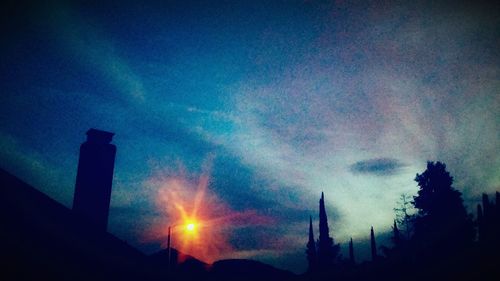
{"x": 201, "y": 223}
{"x": 196, "y": 215}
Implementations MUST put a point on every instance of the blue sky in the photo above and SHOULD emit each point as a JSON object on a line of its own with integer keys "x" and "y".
{"x": 271, "y": 102}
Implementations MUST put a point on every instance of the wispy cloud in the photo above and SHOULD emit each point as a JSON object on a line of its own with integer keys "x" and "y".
{"x": 88, "y": 45}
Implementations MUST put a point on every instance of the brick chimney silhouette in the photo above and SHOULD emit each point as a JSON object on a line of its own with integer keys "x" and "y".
{"x": 94, "y": 178}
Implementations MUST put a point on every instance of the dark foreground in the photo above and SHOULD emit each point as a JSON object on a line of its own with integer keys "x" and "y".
{"x": 43, "y": 240}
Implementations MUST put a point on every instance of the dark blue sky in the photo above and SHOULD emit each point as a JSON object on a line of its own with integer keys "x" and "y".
{"x": 269, "y": 102}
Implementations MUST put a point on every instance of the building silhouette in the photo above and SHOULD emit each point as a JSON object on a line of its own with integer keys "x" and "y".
{"x": 94, "y": 178}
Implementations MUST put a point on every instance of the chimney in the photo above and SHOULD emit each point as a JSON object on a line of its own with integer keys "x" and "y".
{"x": 94, "y": 178}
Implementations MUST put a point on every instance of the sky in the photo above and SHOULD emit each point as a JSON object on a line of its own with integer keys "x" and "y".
{"x": 238, "y": 114}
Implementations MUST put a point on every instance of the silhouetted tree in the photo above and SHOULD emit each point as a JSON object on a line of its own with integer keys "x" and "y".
{"x": 351, "y": 252}
{"x": 398, "y": 256}
{"x": 396, "y": 236}
{"x": 405, "y": 215}
{"x": 497, "y": 201}
{"x": 327, "y": 250}
{"x": 482, "y": 220}
{"x": 486, "y": 204}
{"x": 373, "y": 245}
{"x": 497, "y": 212}
{"x": 496, "y": 223}
{"x": 488, "y": 225}
{"x": 479, "y": 212}
{"x": 443, "y": 229}
{"x": 311, "y": 248}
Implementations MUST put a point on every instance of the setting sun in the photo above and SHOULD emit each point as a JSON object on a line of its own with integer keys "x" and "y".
{"x": 190, "y": 227}
{"x": 199, "y": 220}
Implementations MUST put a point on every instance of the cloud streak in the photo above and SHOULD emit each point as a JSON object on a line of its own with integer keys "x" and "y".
{"x": 377, "y": 166}
{"x": 85, "y": 43}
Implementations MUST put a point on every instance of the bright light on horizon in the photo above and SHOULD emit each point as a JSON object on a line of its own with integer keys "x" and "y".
{"x": 190, "y": 227}
{"x": 198, "y": 212}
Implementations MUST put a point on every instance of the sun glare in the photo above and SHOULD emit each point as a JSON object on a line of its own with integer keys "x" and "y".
{"x": 190, "y": 227}
{"x": 199, "y": 220}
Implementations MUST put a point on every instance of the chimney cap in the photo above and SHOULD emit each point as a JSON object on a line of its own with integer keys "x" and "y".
{"x": 95, "y": 135}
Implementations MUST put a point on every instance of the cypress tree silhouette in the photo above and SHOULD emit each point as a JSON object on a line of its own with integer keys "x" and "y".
{"x": 497, "y": 205}
{"x": 486, "y": 204}
{"x": 311, "y": 249}
{"x": 488, "y": 225}
{"x": 351, "y": 252}
{"x": 443, "y": 229}
{"x": 496, "y": 224}
{"x": 373, "y": 245}
{"x": 396, "y": 235}
{"x": 327, "y": 250}
{"x": 480, "y": 224}
{"x": 497, "y": 213}
{"x": 486, "y": 222}
{"x": 479, "y": 212}
{"x": 398, "y": 254}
